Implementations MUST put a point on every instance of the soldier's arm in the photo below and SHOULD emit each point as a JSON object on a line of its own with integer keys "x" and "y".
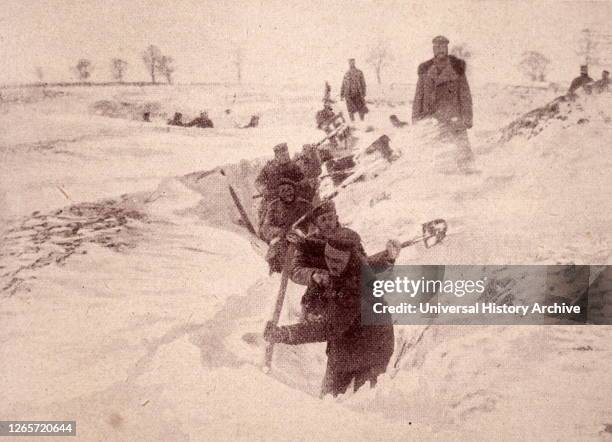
{"x": 417, "y": 104}
{"x": 301, "y": 273}
{"x": 465, "y": 101}
{"x": 380, "y": 261}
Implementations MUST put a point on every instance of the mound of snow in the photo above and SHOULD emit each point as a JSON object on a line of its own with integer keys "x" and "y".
{"x": 563, "y": 112}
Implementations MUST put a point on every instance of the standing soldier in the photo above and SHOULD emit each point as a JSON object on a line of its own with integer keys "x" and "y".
{"x": 353, "y": 91}
{"x": 331, "y": 262}
{"x": 442, "y": 92}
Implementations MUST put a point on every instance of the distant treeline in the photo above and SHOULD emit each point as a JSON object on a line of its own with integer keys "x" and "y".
{"x": 103, "y": 83}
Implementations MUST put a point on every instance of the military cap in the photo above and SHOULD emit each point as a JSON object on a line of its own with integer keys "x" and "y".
{"x": 440, "y": 39}
{"x": 282, "y": 147}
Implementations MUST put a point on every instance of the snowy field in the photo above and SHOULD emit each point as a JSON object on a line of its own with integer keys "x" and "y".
{"x": 126, "y": 282}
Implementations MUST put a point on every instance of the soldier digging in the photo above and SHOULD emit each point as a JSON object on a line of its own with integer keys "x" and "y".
{"x": 281, "y": 213}
{"x": 330, "y": 263}
{"x": 273, "y": 182}
{"x": 442, "y": 92}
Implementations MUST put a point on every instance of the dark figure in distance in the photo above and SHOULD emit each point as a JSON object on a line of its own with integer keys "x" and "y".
{"x": 353, "y": 91}
{"x": 603, "y": 84}
{"x": 203, "y": 122}
{"x": 177, "y": 120}
{"x": 580, "y": 81}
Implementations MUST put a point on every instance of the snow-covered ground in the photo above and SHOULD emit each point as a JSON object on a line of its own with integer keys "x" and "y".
{"x": 126, "y": 283}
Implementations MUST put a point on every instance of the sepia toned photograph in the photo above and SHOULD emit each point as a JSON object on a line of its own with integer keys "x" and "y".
{"x": 367, "y": 220}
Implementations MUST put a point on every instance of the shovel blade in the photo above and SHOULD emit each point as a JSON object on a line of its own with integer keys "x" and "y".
{"x": 434, "y": 232}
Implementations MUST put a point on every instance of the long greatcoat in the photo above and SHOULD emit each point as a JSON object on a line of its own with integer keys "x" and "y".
{"x": 353, "y": 91}
{"x": 443, "y": 92}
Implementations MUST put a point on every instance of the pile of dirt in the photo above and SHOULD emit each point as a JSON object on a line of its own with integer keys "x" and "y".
{"x": 534, "y": 122}
{"x": 28, "y": 95}
{"x": 125, "y": 109}
{"x": 566, "y": 111}
{"x": 44, "y": 239}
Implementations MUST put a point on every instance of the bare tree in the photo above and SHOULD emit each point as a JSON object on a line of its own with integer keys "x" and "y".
{"x": 83, "y": 69}
{"x": 118, "y": 68}
{"x": 166, "y": 68}
{"x": 461, "y": 51}
{"x": 151, "y": 58}
{"x": 588, "y": 47}
{"x": 534, "y": 65}
{"x": 379, "y": 57}
{"x": 238, "y": 63}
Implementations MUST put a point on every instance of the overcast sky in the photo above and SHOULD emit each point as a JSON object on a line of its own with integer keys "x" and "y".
{"x": 288, "y": 41}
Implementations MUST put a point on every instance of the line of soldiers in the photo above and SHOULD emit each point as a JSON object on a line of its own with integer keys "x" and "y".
{"x": 329, "y": 260}
{"x": 289, "y": 188}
